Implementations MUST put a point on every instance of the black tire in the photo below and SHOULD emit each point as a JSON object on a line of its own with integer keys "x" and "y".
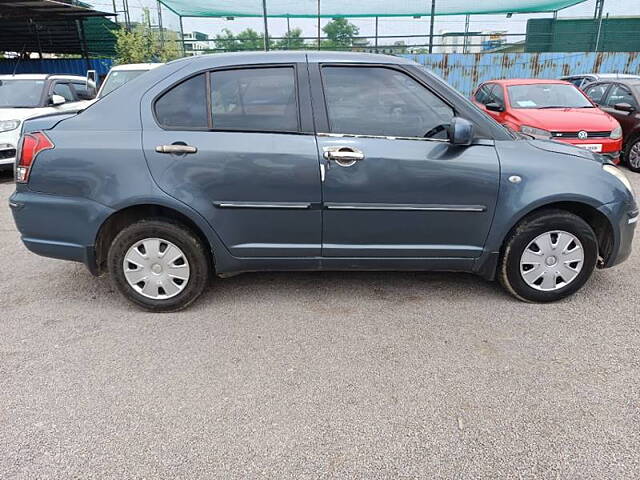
{"x": 627, "y": 154}
{"x": 529, "y": 229}
{"x": 180, "y": 236}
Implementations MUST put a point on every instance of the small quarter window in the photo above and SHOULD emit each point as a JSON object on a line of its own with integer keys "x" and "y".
{"x": 254, "y": 99}
{"x": 185, "y": 105}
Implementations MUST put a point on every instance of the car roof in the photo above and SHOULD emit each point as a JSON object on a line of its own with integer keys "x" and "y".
{"x": 41, "y": 76}
{"x": 248, "y": 58}
{"x": 526, "y": 81}
{"x": 136, "y": 66}
{"x": 630, "y": 82}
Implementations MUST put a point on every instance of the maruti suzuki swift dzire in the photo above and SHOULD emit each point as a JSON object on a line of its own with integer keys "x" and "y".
{"x": 231, "y": 163}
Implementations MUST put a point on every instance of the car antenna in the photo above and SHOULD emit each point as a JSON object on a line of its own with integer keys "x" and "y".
{"x": 19, "y": 60}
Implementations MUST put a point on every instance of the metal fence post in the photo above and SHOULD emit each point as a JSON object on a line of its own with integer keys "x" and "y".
{"x": 433, "y": 13}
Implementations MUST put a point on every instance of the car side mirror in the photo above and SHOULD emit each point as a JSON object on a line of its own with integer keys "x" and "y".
{"x": 495, "y": 107}
{"x": 57, "y": 99}
{"x": 624, "y": 107}
{"x": 460, "y": 131}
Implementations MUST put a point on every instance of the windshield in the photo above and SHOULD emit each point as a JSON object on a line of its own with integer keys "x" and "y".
{"x": 547, "y": 95}
{"x": 20, "y": 93}
{"x": 118, "y": 78}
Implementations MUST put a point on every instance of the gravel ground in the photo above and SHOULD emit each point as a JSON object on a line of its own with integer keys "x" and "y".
{"x": 315, "y": 375}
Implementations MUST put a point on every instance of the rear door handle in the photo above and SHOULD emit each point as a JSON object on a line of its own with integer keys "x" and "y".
{"x": 176, "y": 149}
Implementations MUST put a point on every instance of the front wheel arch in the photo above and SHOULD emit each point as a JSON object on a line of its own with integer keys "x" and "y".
{"x": 598, "y": 221}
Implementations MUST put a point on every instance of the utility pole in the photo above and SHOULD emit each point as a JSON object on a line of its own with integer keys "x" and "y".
{"x": 318, "y": 24}
{"x": 376, "y": 34}
{"x": 288, "y": 34}
{"x": 597, "y": 16}
{"x": 433, "y": 14}
{"x": 266, "y": 28}
{"x": 465, "y": 42}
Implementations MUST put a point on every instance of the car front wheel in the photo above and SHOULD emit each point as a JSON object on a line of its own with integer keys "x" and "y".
{"x": 159, "y": 265}
{"x": 549, "y": 256}
{"x": 632, "y": 155}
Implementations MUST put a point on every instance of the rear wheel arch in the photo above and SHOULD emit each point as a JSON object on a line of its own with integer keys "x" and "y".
{"x": 598, "y": 222}
{"x": 129, "y": 215}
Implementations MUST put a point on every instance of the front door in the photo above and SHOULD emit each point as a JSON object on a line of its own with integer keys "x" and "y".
{"x": 393, "y": 185}
{"x": 232, "y": 144}
{"x": 621, "y": 94}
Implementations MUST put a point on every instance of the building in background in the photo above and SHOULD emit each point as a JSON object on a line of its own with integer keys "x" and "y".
{"x": 476, "y": 42}
{"x": 196, "y": 43}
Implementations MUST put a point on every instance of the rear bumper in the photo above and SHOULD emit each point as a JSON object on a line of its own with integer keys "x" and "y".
{"x": 58, "y": 227}
{"x": 624, "y": 218}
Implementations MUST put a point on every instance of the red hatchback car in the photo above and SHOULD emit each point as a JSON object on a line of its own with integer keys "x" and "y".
{"x": 551, "y": 109}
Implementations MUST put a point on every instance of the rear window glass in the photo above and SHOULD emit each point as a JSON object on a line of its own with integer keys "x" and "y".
{"x": 254, "y": 99}
{"x": 185, "y": 105}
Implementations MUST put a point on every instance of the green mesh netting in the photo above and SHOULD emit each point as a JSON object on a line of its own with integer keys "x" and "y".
{"x": 358, "y": 8}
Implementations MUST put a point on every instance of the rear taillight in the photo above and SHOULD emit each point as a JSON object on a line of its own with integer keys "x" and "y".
{"x": 31, "y": 145}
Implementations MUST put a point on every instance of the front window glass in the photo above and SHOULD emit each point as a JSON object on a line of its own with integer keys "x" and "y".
{"x": 547, "y": 95}
{"x": 254, "y": 99}
{"x": 620, "y": 94}
{"x": 21, "y": 93}
{"x": 117, "y": 78}
{"x": 382, "y": 102}
{"x": 64, "y": 90}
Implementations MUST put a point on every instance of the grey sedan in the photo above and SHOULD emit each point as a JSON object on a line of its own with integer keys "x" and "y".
{"x": 230, "y": 163}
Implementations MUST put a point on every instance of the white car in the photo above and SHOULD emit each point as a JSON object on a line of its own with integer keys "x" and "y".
{"x": 122, "y": 74}
{"x": 25, "y": 95}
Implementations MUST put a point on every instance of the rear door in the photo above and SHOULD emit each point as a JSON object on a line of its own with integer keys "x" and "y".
{"x": 237, "y": 145}
{"x": 393, "y": 185}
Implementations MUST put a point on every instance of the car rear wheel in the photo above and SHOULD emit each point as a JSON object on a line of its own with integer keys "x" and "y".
{"x": 549, "y": 256}
{"x": 632, "y": 155}
{"x": 159, "y": 265}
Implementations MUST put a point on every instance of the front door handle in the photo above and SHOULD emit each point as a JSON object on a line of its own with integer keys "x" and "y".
{"x": 176, "y": 149}
{"x": 343, "y": 156}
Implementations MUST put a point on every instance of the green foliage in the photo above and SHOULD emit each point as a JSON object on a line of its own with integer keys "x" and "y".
{"x": 248, "y": 39}
{"x": 340, "y": 34}
{"x": 292, "y": 40}
{"x": 144, "y": 45}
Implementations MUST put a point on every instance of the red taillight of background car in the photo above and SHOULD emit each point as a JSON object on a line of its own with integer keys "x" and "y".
{"x": 30, "y": 146}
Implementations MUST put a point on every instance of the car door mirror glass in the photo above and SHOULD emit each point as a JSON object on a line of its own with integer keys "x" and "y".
{"x": 495, "y": 107}
{"x": 624, "y": 107}
{"x": 460, "y": 131}
{"x": 57, "y": 99}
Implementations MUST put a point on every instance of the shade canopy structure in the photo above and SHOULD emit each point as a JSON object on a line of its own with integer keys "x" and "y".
{"x": 358, "y": 8}
{"x": 49, "y": 26}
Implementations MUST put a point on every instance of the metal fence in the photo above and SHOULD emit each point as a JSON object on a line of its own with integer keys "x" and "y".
{"x": 465, "y": 72}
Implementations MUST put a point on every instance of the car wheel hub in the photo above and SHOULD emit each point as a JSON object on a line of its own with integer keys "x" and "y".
{"x": 552, "y": 261}
{"x": 634, "y": 155}
{"x": 156, "y": 268}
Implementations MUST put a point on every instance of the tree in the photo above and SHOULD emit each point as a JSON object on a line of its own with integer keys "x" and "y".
{"x": 144, "y": 45}
{"x": 292, "y": 40}
{"x": 340, "y": 34}
{"x": 248, "y": 39}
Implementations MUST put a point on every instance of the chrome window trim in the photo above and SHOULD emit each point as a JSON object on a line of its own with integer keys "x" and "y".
{"x": 384, "y": 137}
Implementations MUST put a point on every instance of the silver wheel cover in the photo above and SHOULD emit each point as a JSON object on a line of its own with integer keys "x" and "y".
{"x": 634, "y": 155}
{"x": 156, "y": 268}
{"x": 552, "y": 261}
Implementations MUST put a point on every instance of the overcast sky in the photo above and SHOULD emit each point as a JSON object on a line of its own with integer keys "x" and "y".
{"x": 386, "y": 26}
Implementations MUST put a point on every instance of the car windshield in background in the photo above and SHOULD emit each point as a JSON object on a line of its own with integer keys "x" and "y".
{"x": 547, "y": 95}
{"x": 20, "y": 93}
{"x": 118, "y": 78}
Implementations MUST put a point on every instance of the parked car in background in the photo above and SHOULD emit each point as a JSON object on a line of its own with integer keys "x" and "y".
{"x": 551, "y": 109}
{"x": 621, "y": 99}
{"x": 25, "y": 95}
{"x": 230, "y": 163}
{"x": 122, "y": 74}
{"x": 585, "y": 79}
